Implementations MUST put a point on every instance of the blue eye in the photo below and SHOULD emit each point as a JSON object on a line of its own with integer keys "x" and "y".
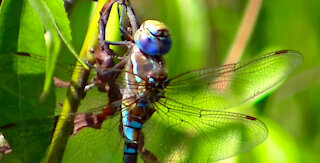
{"x": 153, "y": 31}
{"x": 153, "y": 38}
{"x": 151, "y": 80}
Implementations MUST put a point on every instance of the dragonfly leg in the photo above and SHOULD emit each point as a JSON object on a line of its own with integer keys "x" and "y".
{"x": 146, "y": 155}
{"x": 112, "y": 74}
{"x": 104, "y": 16}
{"x": 4, "y": 145}
{"x": 119, "y": 43}
{"x": 91, "y": 120}
{"x": 126, "y": 33}
{"x": 94, "y": 120}
{"x": 89, "y": 87}
{"x": 60, "y": 83}
{"x": 125, "y": 4}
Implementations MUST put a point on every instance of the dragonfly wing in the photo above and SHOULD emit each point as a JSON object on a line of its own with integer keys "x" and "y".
{"x": 20, "y": 88}
{"x": 22, "y": 77}
{"x": 88, "y": 145}
{"x": 230, "y": 85}
{"x": 96, "y": 145}
{"x": 179, "y": 132}
{"x": 28, "y": 141}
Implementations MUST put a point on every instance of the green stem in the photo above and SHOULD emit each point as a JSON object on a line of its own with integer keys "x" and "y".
{"x": 75, "y": 92}
{"x": 244, "y": 31}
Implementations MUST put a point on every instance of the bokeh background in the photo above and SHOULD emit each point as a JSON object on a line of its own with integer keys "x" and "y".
{"x": 204, "y": 32}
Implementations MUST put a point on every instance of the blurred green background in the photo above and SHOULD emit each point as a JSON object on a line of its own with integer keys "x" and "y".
{"x": 203, "y": 32}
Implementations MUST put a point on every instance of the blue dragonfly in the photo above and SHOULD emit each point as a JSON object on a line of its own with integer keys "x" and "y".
{"x": 163, "y": 119}
{"x": 181, "y": 118}
{"x": 192, "y": 102}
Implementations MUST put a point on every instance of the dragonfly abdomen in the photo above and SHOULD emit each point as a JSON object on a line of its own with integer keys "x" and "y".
{"x": 132, "y": 121}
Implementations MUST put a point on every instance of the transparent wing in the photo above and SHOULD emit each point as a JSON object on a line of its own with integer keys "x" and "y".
{"x": 36, "y": 64}
{"x": 88, "y": 145}
{"x": 20, "y": 88}
{"x": 96, "y": 145}
{"x": 23, "y": 115}
{"x": 25, "y": 119}
{"x": 230, "y": 85}
{"x": 177, "y": 132}
{"x": 211, "y": 131}
{"x": 22, "y": 64}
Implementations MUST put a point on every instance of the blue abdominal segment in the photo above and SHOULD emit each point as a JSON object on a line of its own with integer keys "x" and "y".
{"x": 129, "y": 150}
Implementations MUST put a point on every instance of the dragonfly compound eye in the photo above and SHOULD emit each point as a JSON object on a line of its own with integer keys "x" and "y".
{"x": 153, "y": 38}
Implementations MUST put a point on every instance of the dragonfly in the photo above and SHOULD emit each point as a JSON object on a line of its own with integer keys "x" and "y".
{"x": 161, "y": 119}
{"x": 187, "y": 109}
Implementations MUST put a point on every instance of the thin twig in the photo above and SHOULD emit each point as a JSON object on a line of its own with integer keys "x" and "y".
{"x": 64, "y": 126}
{"x": 244, "y": 31}
{"x": 240, "y": 41}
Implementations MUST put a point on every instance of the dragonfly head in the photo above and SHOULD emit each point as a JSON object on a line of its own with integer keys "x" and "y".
{"x": 153, "y": 38}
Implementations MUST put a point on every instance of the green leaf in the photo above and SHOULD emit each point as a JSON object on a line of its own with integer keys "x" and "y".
{"x": 20, "y": 89}
{"x": 55, "y": 19}
{"x": 80, "y": 16}
{"x": 21, "y": 29}
{"x": 21, "y": 83}
{"x": 51, "y": 27}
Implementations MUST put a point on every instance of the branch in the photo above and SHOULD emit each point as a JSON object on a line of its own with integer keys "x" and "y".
{"x": 244, "y": 31}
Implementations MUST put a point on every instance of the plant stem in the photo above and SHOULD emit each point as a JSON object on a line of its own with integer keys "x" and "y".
{"x": 75, "y": 92}
{"x": 244, "y": 31}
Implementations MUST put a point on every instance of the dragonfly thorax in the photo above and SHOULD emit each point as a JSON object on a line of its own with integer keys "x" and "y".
{"x": 154, "y": 94}
{"x": 145, "y": 68}
{"x": 145, "y": 76}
